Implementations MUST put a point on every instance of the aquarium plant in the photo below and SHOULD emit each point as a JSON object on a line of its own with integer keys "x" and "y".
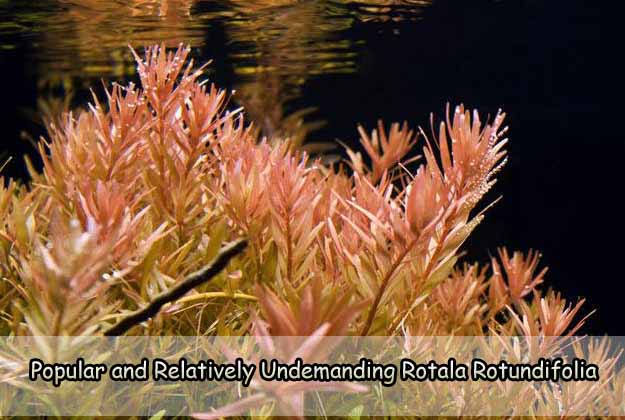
{"x": 160, "y": 211}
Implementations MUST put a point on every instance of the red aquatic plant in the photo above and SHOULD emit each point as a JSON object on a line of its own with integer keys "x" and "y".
{"x": 162, "y": 174}
{"x": 140, "y": 191}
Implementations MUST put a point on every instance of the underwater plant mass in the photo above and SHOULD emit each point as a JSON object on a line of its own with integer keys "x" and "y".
{"x": 162, "y": 203}
{"x": 138, "y": 193}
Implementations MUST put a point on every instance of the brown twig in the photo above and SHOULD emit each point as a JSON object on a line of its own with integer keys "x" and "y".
{"x": 193, "y": 280}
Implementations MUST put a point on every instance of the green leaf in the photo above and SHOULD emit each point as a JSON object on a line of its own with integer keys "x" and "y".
{"x": 217, "y": 237}
{"x": 355, "y": 412}
{"x": 158, "y": 416}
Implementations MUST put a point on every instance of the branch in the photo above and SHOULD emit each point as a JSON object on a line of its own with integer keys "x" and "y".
{"x": 383, "y": 286}
{"x": 193, "y": 280}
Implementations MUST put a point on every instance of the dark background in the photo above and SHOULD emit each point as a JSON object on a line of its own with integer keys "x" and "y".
{"x": 543, "y": 62}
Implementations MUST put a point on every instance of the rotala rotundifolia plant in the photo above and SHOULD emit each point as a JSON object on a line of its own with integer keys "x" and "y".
{"x": 159, "y": 212}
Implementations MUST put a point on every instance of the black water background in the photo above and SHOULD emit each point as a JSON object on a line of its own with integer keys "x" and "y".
{"x": 538, "y": 60}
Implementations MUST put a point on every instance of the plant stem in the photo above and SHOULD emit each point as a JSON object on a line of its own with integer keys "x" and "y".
{"x": 383, "y": 286}
{"x": 193, "y": 280}
{"x": 214, "y": 295}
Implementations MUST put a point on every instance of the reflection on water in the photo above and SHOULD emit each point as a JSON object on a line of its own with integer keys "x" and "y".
{"x": 273, "y": 46}
{"x": 278, "y": 44}
{"x": 389, "y": 10}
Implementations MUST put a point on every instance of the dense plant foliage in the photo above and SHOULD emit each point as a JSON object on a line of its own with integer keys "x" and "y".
{"x": 141, "y": 191}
